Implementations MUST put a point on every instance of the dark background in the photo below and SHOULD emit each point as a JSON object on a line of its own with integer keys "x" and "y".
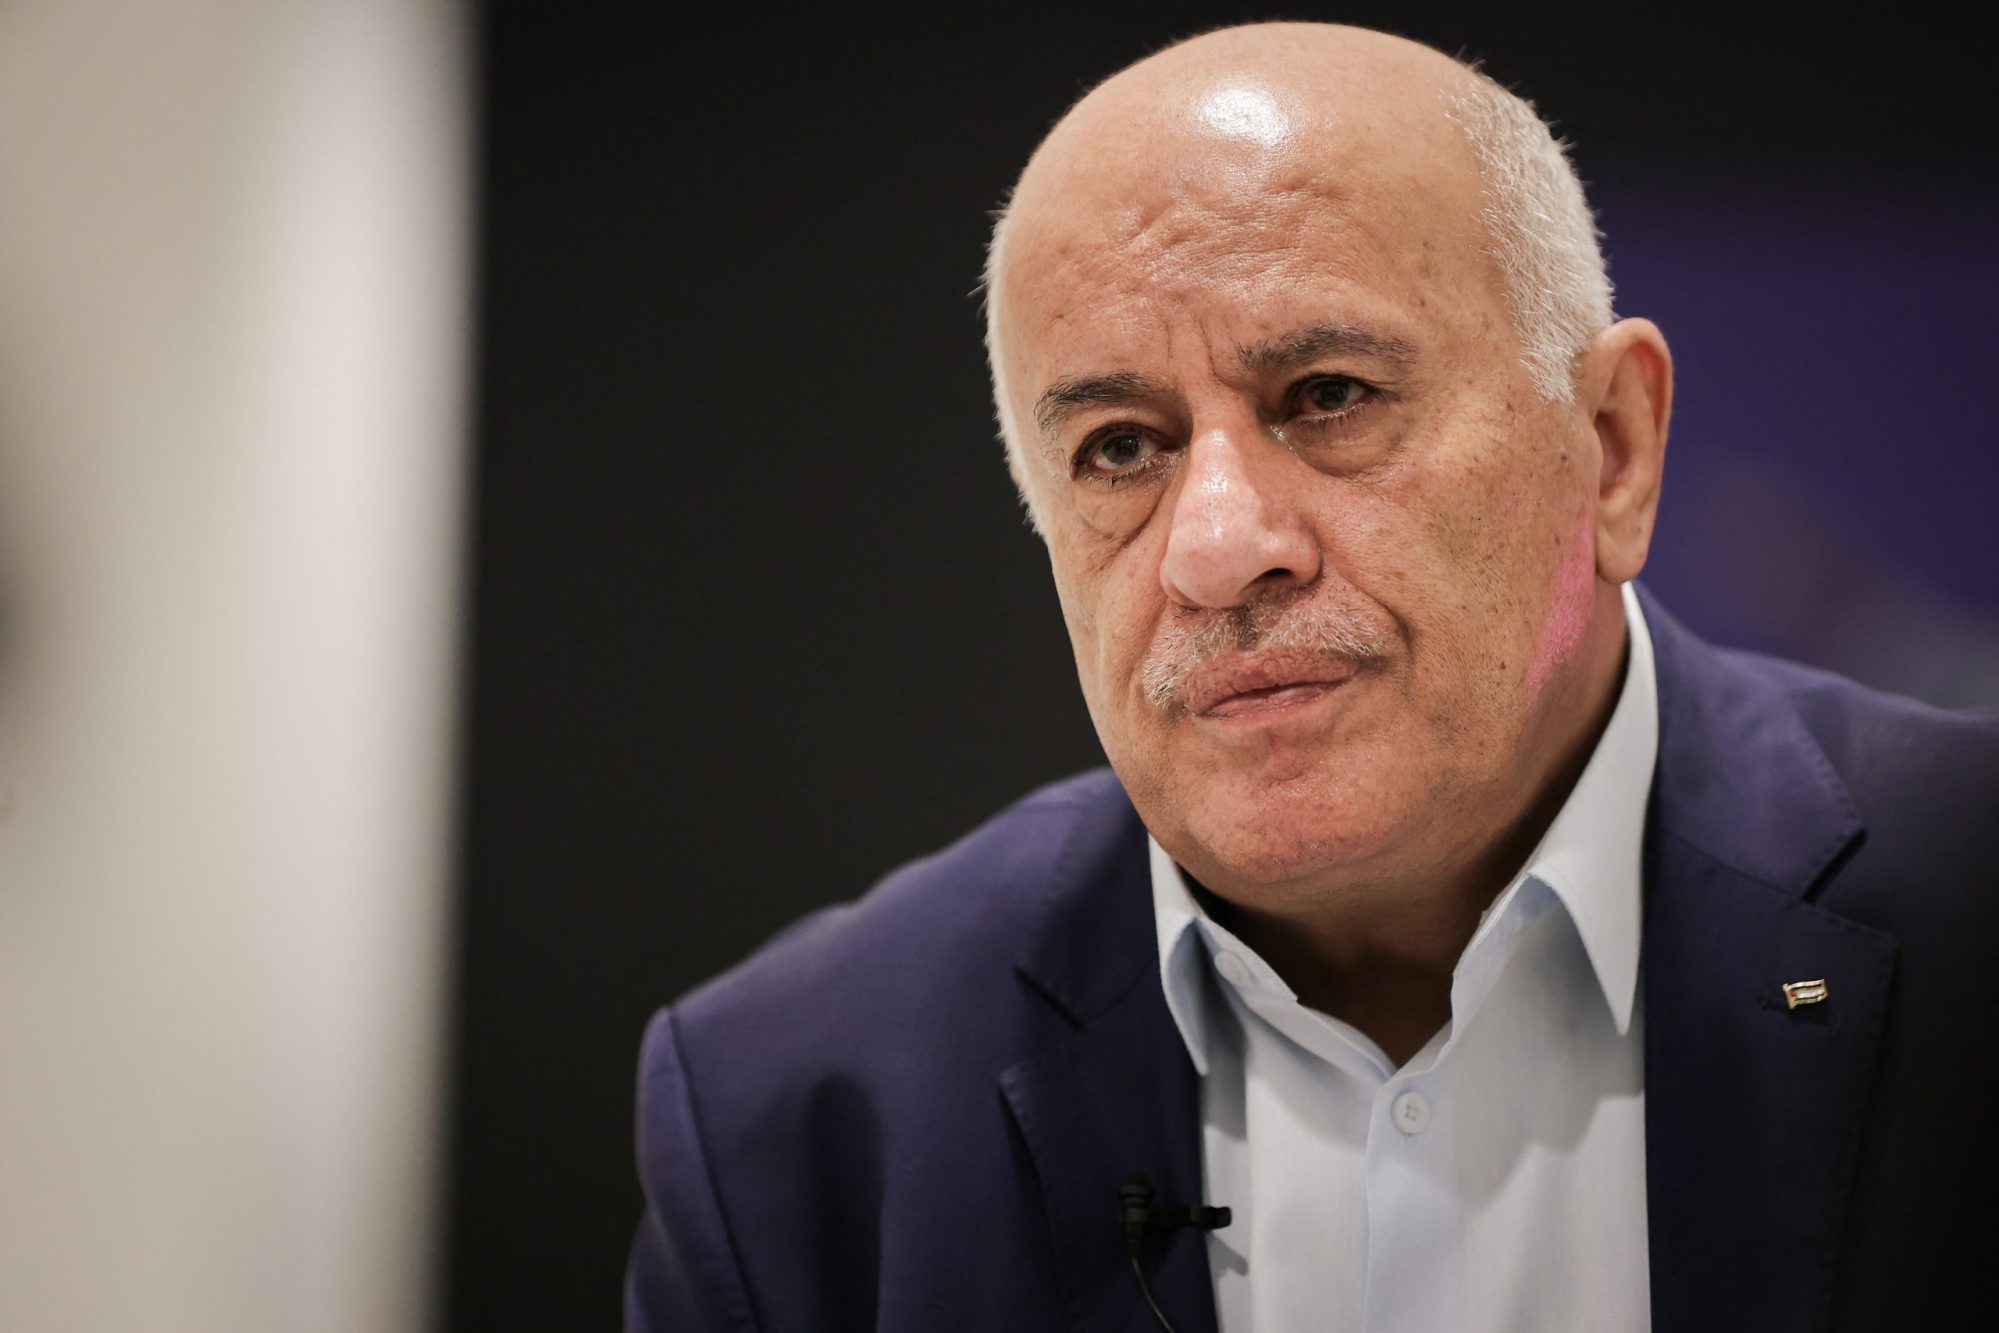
{"x": 756, "y": 616}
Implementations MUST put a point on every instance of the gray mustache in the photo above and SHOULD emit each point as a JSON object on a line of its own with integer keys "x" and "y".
{"x": 1185, "y": 646}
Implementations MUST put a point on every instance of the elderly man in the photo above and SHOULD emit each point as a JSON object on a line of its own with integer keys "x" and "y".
{"x": 1458, "y": 943}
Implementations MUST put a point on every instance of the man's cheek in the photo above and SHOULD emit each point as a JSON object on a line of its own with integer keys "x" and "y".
{"x": 1083, "y": 614}
{"x": 1465, "y": 549}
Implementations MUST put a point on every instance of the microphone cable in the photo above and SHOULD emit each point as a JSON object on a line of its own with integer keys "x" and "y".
{"x": 1137, "y": 1216}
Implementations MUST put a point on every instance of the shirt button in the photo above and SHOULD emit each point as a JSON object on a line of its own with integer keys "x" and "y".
{"x": 1232, "y": 969}
{"x": 1411, "y": 1113}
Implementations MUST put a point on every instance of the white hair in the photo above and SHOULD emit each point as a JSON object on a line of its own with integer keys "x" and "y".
{"x": 989, "y": 288}
{"x": 1539, "y": 230}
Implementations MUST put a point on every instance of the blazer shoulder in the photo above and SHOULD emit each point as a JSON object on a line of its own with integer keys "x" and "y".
{"x": 945, "y": 911}
{"x": 1902, "y": 760}
{"x": 845, "y": 992}
{"x": 1778, "y": 740}
{"x": 1923, "y": 784}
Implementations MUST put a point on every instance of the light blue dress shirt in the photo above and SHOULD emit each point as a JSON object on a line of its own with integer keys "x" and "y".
{"x": 1497, "y": 1180}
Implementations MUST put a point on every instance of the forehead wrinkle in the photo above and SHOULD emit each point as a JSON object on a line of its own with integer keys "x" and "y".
{"x": 1105, "y": 233}
{"x": 1244, "y": 228}
{"x": 1332, "y": 338}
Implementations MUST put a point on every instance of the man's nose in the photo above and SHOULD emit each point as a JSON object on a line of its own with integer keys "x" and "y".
{"x": 1239, "y": 524}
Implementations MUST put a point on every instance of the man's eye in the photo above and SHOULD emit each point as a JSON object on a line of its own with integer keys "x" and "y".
{"x": 1333, "y": 393}
{"x": 1117, "y": 453}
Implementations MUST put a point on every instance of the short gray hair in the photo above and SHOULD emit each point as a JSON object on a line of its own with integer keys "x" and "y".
{"x": 1539, "y": 230}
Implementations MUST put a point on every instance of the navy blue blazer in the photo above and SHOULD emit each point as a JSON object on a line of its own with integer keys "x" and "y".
{"x": 913, "y": 1112}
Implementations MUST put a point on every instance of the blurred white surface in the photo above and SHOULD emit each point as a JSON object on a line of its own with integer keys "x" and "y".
{"x": 232, "y": 298}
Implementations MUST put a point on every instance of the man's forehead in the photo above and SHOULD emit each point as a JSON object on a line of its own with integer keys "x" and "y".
{"x": 1354, "y": 243}
{"x": 1214, "y": 161}
{"x": 1263, "y": 239}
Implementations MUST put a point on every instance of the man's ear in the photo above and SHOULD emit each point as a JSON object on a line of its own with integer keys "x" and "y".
{"x": 1625, "y": 384}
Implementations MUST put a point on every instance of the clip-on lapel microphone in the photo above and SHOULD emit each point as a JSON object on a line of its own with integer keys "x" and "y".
{"x": 1138, "y": 1215}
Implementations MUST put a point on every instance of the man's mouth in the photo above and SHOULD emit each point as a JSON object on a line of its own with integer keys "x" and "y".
{"x": 1244, "y": 686}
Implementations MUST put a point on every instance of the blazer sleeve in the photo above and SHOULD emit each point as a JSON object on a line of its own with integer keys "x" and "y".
{"x": 683, "y": 1276}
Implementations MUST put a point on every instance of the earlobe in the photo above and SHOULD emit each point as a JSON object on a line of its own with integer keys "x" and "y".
{"x": 1630, "y": 379}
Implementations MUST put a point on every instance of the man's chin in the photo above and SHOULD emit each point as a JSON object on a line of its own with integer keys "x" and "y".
{"x": 1273, "y": 837}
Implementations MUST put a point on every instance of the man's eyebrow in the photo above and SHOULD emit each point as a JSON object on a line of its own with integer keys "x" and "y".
{"x": 1067, "y": 397}
{"x": 1302, "y": 345}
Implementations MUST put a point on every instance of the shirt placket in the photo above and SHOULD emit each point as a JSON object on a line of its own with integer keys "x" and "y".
{"x": 1411, "y": 1260}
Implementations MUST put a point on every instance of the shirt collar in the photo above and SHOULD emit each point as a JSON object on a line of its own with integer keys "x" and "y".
{"x": 1177, "y": 918}
{"x": 1591, "y": 856}
{"x": 1590, "y": 859}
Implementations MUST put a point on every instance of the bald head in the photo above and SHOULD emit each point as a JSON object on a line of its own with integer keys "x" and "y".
{"x": 1262, "y": 95}
{"x": 1244, "y": 123}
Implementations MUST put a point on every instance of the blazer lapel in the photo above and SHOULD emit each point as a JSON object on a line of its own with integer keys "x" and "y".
{"x": 1114, "y": 1093}
{"x": 1753, "y": 1106}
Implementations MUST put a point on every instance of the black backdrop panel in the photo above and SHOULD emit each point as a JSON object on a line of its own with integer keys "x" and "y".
{"x": 755, "y": 614}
